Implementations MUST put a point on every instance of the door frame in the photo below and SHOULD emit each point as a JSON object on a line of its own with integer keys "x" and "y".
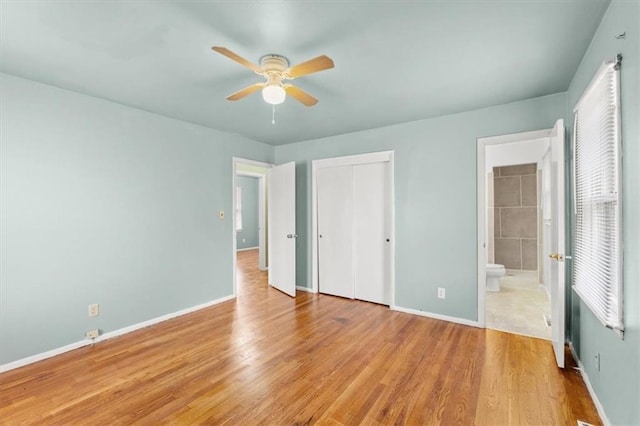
{"x": 263, "y": 234}
{"x": 481, "y": 202}
{"x": 350, "y": 160}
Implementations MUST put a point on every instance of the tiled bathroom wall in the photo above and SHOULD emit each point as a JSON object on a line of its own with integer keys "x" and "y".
{"x": 515, "y": 197}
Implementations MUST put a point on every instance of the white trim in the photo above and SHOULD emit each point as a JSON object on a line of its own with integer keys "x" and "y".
{"x": 304, "y": 288}
{"x": 481, "y": 203}
{"x": 367, "y": 158}
{"x": 314, "y": 228}
{"x": 247, "y": 248}
{"x": 249, "y": 174}
{"x": 516, "y": 137}
{"x": 44, "y": 355}
{"x": 592, "y": 392}
{"x": 392, "y": 196}
{"x": 440, "y": 317}
{"x": 350, "y": 160}
{"x": 252, "y": 162}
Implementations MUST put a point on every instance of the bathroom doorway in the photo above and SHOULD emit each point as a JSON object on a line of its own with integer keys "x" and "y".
{"x": 511, "y": 200}
{"x": 519, "y": 303}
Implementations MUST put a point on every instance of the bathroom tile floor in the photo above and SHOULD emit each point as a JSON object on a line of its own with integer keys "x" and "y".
{"x": 520, "y": 306}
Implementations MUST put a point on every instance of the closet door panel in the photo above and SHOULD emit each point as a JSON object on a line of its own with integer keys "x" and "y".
{"x": 335, "y": 233}
{"x": 371, "y": 258}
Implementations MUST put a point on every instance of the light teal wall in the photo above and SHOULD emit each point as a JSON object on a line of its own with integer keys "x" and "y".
{"x": 248, "y": 237}
{"x": 617, "y": 384}
{"x": 435, "y": 196}
{"x": 102, "y": 203}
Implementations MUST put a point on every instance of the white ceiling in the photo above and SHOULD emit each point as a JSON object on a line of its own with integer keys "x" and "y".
{"x": 395, "y": 61}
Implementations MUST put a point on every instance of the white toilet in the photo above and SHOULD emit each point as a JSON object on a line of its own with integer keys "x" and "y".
{"x": 494, "y": 273}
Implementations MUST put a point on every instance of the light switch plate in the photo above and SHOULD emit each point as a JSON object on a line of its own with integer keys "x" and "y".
{"x": 94, "y": 310}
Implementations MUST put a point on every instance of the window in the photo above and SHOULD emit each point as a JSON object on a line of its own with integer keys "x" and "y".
{"x": 597, "y": 275}
{"x": 238, "y": 209}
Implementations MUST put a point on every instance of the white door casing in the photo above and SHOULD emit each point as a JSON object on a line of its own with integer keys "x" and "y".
{"x": 557, "y": 255}
{"x": 282, "y": 228}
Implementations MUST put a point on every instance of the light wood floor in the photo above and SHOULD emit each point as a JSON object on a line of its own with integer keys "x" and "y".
{"x": 265, "y": 358}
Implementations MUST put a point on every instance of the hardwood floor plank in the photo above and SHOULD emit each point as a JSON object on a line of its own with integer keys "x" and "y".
{"x": 266, "y": 358}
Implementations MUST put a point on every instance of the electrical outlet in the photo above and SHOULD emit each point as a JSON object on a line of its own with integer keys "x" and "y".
{"x": 244, "y": 240}
{"x": 221, "y": 214}
{"x": 442, "y": 293}
{"x": 94, "y": 310}
{"x": 92, "y": 334}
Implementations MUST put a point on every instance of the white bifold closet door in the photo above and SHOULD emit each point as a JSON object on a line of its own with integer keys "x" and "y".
{"x": 353, "y": 231}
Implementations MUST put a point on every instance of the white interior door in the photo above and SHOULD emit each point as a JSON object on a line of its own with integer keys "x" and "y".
{"x": 371, "y": 236}
{"x": 282, "y": 228}
{"x": 335, "y": 230}
{"x": 557, "y": 242}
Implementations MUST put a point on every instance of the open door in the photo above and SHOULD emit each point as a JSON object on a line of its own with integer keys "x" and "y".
{"x": 282, "y": 228}
{"x": 556, "y": 258}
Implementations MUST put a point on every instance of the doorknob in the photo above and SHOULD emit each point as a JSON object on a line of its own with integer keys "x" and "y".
{"x": 557, "y": 256}
{"x": 292, "y": 235}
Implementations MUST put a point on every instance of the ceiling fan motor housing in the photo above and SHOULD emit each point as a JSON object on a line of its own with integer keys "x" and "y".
{"x": 274, "y": 66}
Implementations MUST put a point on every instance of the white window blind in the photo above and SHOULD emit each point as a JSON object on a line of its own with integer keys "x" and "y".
{"x": 597, "y": 276}
{"x": 238, "y": 208}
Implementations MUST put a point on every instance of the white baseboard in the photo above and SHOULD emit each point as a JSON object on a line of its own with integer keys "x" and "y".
{"x": 456, "y": 320}
{"x": 302, "y": 288}
{"x": 44, "y": 355}
{"x": 592, "y": 392}
{"x": 247, "y": 248}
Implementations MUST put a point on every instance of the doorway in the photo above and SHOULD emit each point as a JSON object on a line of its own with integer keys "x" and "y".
{"x": 511, "y": 169}
{"x": 519, "y": 303}
{"x": 249, "y": 215}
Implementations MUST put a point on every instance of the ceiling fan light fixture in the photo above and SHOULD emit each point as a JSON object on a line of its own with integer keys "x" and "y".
{"x": 276, "y": 69}
{"x": 274, "y": 94}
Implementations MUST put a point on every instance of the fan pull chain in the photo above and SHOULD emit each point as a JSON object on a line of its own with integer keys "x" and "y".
{"x": 273, "y": 114}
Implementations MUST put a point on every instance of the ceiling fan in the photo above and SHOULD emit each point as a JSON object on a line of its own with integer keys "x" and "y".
{"x": 276, "y": 69}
